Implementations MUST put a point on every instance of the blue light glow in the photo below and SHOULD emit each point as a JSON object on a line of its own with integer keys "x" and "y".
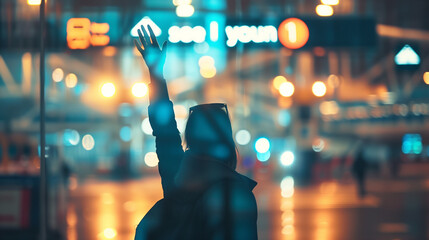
{"x": 70, "y": 137}
{"x": 125, "y": 134}
{"x": 262, "y": 145}
{"x": 145, "y": 22}
{"x": 263, "y": 157}
{"x": 412, "y": 144}
{"x": 284, "y": 118}
{"x": 287, "y": 158}
{"x": 407, "y": 56}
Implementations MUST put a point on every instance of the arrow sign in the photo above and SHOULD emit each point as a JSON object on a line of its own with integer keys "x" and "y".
{"x": 407, "y": 56}
{"x": 145, "y": 22}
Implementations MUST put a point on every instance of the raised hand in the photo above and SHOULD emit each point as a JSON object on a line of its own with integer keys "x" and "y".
{"x": 153, "y": 55}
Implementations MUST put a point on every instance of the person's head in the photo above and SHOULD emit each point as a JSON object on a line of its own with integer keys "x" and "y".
{"x": 209, "y": 132}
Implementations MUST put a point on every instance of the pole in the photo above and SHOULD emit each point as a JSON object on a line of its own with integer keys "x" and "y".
{"x": 43, "y": 191}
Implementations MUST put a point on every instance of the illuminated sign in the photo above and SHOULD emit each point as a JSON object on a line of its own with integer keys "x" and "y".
{"x": 246, "y": 34}
{"x": 293, "y": 33}
{"x": 145, "y": 22}
{"x": 81, "y": 33}
{"x": 407, "y": 56}
{"x": 186, "y": 34}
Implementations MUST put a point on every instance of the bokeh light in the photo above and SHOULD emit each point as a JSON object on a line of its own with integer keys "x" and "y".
{"x": 71, "y": 137}
{"x": 333, "y": 81}
{"x": 287, "y": 187}
{"x": 146, "y": 127}
{"x": 109, "y": 233}
{"x": 71, "y": 80}
{"x": 108, "y": 90}
{"x": 287, "y": 158}
{"x": 151, "y": 159}
{"x": 88, "y": 142}
{"x": 242, "y": 137}
{"x": 208, "y": 72}
{"x": 284, "y": 118}
{"x": 263, "y": 157}
{"x": 318, "y": 145}
{"x": 324, "y": 10}
{"x": 110, "y": 51}
{"x": 426, "y": 77}
{"x": 181, "y": 2}
{"x": 139, "y": 89}
{"x": 125, "y": 133}
{"x": 34, "y": 2}
{"x": 286, "y": 89}
{"x": 206, "y": 62}
{"x": 185, "y": 10}
{"x": 319, "y": 89}
{"x": 262, "y": 145}
{"x": 330, "y": 2}
{"x": 57, "y": 75}
{"x": 277, "y": 81}
{"x": 329, "y": 108}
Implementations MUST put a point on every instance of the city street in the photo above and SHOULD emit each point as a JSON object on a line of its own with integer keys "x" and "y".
{"x": 393, "y": 209}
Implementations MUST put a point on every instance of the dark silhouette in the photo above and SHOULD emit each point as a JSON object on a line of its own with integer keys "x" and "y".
{"x": 204, "y": 197}
{"x": 359, "y": 169}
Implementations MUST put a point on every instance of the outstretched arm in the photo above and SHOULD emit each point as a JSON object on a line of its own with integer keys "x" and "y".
{"x": 161, "y": 114}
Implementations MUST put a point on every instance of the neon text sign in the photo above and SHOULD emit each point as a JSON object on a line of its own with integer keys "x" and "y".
{"x": 82, "y": 33}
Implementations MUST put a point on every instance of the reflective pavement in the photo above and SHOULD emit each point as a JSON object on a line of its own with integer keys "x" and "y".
{"x": 393, "y": 209}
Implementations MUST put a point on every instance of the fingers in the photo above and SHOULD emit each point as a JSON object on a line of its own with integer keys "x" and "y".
{"x": 153, "y": 37}
{"x": 142, "y": 39}
{"x": 146, "y": 36}
{"x": 138, "y": 46}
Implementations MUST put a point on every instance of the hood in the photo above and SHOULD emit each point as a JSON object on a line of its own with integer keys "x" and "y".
{"x": 198, "y": 172}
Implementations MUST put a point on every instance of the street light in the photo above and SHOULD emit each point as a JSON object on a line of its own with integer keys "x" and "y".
{"x": 330, "y": 2}
{"x": 139, "y": 89}
{"x": 286, "y": 89}
{"x": 324, "y": 10}
{"x": 71, "y": 80}
{"x": 262, "y": 145}
{"x": 287, "y": 158}
{"x": 426, "y": 77}
{"x": 319, "y": 89}
{"x": 108, "y": 90}
{"x": 185, "y": 10}
{"x": 34, "y": 2}
{"x": 277, "y": 81}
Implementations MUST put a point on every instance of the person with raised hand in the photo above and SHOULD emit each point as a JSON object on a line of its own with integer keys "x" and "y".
{"x": 204, "y": 197}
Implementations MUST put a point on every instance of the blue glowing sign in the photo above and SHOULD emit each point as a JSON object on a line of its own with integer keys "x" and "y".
{"x": 145, "y": 22}
{"x": 407, "y": 56}
{"x": 412, "y": 144}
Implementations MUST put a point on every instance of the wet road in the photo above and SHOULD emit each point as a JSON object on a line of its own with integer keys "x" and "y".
{"x": 393, "y": 209}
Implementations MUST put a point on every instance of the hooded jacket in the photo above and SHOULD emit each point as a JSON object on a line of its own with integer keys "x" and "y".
{"x": 203, "y": 198}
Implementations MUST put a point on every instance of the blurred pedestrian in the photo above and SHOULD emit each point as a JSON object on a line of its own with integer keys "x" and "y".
{"x": 204, "y": 197}
{"x": 359, "y": 169}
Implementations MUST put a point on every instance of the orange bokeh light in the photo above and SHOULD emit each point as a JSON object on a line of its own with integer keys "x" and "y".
{"x": 293, "y": 33}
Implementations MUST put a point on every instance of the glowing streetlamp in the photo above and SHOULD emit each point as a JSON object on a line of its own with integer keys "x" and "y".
{"x": 324, "y": 10}
{"x": 330, "y": 2}
{"x": 139, "y": 89}
{"x": 108, "y": 90}
{"x": 286, "y": 89}
{"x": 426, "y": 77}
{"x": 34, "y": 2}
{"x": 319, "y": 89}
{"x": 277, "y": 81}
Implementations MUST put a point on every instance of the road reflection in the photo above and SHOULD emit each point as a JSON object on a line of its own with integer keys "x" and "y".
{"x": 110, "y": 210}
